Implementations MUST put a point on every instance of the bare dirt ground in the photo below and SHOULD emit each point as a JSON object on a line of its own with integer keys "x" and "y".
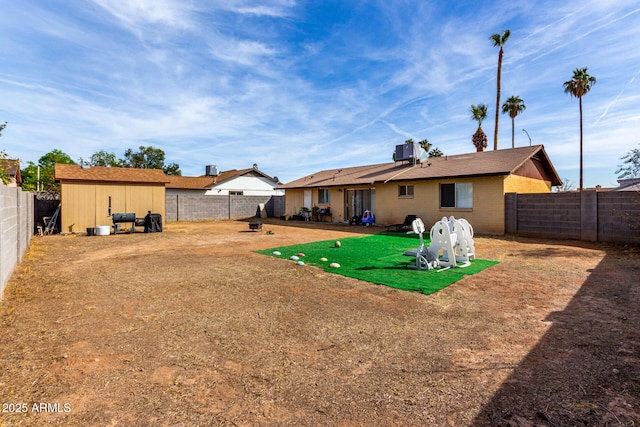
{"x": 189, "y": 327}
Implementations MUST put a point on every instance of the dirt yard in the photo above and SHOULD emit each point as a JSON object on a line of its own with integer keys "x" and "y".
{"x": 189, "y": 327}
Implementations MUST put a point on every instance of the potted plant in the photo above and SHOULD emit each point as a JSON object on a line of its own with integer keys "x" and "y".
{"x": 314, "y": 213}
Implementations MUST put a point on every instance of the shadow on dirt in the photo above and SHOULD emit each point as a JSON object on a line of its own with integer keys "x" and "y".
{"x": 585, "y": 371}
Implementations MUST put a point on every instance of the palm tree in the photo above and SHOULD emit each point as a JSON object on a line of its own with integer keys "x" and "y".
{"x": 479, "y": 139}
{"x": 436, "y": 152}
{"x": 514, "y": 105}
{"x": 425, "y": 144}
{"x": 577, "y": 87}
{"x": 499, "y": 41}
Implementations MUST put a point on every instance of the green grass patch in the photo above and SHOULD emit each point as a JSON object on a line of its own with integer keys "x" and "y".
{"x": 378, "y": 258}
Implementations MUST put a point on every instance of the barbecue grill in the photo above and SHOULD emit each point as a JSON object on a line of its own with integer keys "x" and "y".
{"x": 125, "y": 218}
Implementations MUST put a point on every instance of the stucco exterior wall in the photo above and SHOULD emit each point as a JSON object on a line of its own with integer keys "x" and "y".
{"x": 294, "y": 200}
{"x": 86, "y": 205}
{"x": 521, "y": 184}
{"x": 486, "y": 216}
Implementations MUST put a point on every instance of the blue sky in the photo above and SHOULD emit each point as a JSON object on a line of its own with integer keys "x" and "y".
{"x": 298, "y": 86}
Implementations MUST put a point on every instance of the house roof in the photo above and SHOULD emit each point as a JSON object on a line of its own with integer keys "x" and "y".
{"x": 190, "y": 182}
{"x": 11, "y": 167}
{"x": 205, "y": 182}
{"x": 64, "y": 172}
{"x": 486, "y": 163}
{"x": 628, "y": 184}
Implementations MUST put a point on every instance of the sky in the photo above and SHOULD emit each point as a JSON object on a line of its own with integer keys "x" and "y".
{"x": 301, "y": 86}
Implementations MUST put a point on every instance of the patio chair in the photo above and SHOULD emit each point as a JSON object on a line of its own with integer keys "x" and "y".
{"x": 406, "y": 225}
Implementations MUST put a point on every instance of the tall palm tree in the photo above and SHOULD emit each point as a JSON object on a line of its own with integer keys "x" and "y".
{"x": 479, "y": 139}
{"x": 514, "y": 105}
{"x": 498, "y": 41}
{"x": 577, "y": 87}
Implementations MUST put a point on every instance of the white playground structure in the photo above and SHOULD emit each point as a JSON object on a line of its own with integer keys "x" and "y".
{"x": 451, "y": 244}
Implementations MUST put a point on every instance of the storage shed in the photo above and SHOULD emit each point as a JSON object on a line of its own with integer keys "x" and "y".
{"x": 90, "y": 195}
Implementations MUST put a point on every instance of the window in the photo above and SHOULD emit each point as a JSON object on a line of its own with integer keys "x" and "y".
{"x": 405, "y": 190}
{"x": 456, "y": 195}
{"x": 236, "y": 193}
{"x": 323, "y": 196}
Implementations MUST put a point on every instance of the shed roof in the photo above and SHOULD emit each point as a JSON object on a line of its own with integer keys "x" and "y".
{"x": 486, "y": 163}
{"x": 64, "y": 172}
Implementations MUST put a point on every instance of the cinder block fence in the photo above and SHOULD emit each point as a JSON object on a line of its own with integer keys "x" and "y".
{"x": 187, "y": 207}
{"x": 16, "y": 229}
{"x": 595, "y": 216}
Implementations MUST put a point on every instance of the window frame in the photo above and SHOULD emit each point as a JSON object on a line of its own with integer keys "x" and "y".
{"x": 327, "y": 196}
{"x": 407, "y": 194}
{"x": 455, "y": 198}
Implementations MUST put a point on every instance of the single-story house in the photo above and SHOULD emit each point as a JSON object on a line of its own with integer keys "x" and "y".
{"x": 472, "y": 186}
{"x": 628, "y": 184}
{"x": 243, "y": 182}
{"x": 90, "y": 195}
{"x": 12, "y": 169}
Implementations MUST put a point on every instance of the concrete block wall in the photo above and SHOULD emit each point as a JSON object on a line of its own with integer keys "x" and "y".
{"x": 612, "y": 216}
{"x": 555, "y": 215}
{"x": 189, "y": 207}
{"x": 619, "y": 216}
{"x": 16, "y": 229}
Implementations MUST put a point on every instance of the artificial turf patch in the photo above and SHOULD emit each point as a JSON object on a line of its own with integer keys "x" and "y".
{"x": 378, "y": 258}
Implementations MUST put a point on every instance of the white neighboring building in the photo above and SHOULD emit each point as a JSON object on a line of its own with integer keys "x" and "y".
{"x": 244, "y": 182}
{"x": 628, "y": 184}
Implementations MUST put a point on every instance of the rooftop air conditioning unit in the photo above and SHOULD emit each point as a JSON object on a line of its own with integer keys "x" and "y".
{"x": 212, "y": 170}
{"x": 407, "y": 152}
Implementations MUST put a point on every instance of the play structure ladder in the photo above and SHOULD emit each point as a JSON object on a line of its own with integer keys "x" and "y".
{"x": 51, "y": 223}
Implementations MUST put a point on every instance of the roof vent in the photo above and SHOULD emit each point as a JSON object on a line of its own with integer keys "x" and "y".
{"x": 212, "y": 170}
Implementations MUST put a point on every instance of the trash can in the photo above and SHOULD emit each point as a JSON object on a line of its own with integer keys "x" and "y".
{"x": 153, "y": 223}
{"x": 91, "y": 231}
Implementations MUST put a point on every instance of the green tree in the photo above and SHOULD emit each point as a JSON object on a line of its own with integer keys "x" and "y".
{"x": 631, "y": 165}
{"x": 47, "y": 169}
{"x": 103, "y": 158}
{"x": 172, "y": 169}
{"x": 479, "y": 139}
{"x": 4, "y": 177}
{"x": 498, "y": 41}
{"x": 149, "y": 158}
{"x": 579, "y": 85}
{"x": 513, "y": 106}
{"x": 29, "y": 177}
